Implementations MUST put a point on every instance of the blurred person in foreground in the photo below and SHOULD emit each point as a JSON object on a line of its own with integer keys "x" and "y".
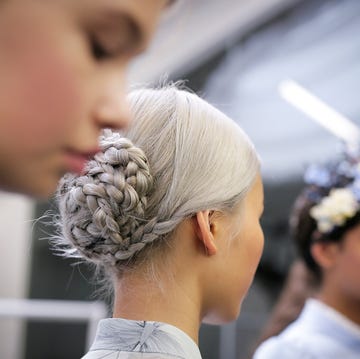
{"x": 62, "y": 69}
{"x": 326, "y": 228}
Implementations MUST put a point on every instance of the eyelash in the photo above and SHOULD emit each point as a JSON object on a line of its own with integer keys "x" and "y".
{"x": 99, "y": 52}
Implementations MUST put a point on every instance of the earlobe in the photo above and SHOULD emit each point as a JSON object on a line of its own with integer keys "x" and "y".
{"x": 203, "y": 229}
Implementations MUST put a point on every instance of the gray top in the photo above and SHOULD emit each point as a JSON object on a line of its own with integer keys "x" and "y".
{"x": 130, "y": 339}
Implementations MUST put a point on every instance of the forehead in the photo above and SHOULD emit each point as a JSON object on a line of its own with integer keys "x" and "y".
{"x": 352, "y": 237}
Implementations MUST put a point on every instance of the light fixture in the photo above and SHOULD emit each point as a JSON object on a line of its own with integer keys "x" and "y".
{"x": 319, "y": 111}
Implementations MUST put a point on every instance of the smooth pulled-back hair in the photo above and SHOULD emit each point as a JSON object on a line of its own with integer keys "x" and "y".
{"x": 179, "y": 156}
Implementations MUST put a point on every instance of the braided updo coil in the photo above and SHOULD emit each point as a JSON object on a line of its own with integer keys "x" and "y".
{"x": 102, "y": 212}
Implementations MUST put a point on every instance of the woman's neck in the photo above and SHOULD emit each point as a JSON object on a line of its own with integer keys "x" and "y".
{"x": 167, "y": 299}
{"x": 344, "y": 304}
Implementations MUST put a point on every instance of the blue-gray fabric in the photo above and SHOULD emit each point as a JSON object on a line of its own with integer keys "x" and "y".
{"x": 319, "y": 333}
{"x": 129, "y": 339}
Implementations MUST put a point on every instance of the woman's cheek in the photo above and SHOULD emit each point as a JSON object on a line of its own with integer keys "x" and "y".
{"x": 53, "y": 97}
{"x": 41, "y": 80}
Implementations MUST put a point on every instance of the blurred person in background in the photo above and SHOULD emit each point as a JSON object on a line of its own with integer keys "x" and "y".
{"x": 300, "y": 284}
{"x": 326, "y": 229}
{"x": 62, "y": 68}
{"x": 169, "y": 210}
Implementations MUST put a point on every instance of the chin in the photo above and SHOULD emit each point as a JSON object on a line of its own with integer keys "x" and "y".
{"x": 31, "y": 184}
{"x": 42, "y": 190}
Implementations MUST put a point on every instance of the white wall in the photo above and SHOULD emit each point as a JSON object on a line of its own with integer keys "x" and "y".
{"x": 196, "y": 30}
{"x": 15, "y": 249}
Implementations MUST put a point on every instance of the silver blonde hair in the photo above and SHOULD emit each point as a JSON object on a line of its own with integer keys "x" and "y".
{"x": 179, "y": 156}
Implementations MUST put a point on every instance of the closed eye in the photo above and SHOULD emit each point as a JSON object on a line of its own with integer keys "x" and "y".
{"x": 98, "y": 50}
{"x": 118, "y": 36}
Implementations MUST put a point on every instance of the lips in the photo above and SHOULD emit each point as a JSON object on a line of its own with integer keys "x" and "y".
{"x": 76, "y": 160}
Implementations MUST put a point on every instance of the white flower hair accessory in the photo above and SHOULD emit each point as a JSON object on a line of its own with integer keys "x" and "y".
{"x": 335, "y": 209}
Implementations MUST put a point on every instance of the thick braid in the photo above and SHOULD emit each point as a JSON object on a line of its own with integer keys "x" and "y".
{"x": 103, "y": 212}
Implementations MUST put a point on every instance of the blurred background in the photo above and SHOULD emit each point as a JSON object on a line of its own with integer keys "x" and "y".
{"x": 235, "y": 54}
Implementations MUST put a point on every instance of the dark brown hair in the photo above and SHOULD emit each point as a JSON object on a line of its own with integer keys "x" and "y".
{"x": 304, "y": 228}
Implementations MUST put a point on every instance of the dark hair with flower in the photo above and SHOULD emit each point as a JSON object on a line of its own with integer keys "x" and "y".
{"x": 328, "y": 206}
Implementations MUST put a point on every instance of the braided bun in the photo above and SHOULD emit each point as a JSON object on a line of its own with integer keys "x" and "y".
{"x": 102, "y": 212}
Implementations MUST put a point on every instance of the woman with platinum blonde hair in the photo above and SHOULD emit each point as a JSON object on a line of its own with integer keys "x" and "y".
{"x": 169, "y": 210}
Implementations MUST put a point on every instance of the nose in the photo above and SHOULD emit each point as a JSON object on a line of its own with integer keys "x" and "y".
{"x": 112, "y": 110}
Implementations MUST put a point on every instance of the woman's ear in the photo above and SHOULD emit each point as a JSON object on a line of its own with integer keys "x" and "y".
{"x": 324, "y": 254}
{"x": 204, "y": 231}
